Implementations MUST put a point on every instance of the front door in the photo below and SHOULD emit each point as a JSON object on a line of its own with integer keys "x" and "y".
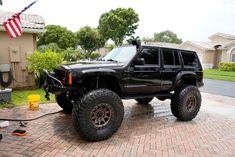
{"x": 145, "y": 79}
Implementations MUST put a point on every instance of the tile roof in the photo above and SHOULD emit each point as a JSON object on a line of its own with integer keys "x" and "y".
{"x": 199, "y": 44}
{"x": 28, "y": 20}
{"x": 210, "y": 45}
{"x": 202, "y": 44}
{"x": 224, "y": 35}
{"x": 232, "y": 42}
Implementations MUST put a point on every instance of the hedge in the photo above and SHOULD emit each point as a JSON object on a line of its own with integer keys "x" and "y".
{"x": 227, "y": 66}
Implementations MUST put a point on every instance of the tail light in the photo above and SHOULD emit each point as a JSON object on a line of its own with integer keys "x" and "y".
{"x": 70, "y": 79}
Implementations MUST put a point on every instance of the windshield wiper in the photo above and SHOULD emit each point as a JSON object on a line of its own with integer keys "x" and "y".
{"x": 112, "y": 60}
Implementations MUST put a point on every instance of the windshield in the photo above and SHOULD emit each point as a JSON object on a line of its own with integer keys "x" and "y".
{"x": 121, "y": 54}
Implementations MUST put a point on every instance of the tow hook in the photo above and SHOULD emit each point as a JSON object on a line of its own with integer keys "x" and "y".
{"x": 47, "y": 96}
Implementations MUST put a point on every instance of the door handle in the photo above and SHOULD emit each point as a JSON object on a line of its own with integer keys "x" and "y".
{"x": 131, "y": 69}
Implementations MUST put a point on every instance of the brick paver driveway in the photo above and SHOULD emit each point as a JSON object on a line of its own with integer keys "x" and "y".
{"x": 146, "y": 131}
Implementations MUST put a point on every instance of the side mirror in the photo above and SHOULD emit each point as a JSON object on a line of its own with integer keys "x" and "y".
{"x": 139, "y": 61}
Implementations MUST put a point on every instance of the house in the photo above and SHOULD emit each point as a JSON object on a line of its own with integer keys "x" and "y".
{"x": 219, "y": 48}
{"x": 15, "y": 51}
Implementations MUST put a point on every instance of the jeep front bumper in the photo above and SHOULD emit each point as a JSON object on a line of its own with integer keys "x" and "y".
{"x": 52, "y": 84}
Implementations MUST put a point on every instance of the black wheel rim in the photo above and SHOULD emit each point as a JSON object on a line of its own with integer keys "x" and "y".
{"x": 191, "y": 103}
{"x": 101, "y": 115}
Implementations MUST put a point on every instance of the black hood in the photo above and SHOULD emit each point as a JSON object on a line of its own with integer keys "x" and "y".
{"x": 91, "y": 65}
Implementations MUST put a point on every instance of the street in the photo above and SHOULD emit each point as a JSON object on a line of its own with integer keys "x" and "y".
{"x": 219, "y": 87}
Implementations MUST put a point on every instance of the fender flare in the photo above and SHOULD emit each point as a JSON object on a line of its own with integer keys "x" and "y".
{"x": 100, "y": 72}
{"x": 182, "y": 75}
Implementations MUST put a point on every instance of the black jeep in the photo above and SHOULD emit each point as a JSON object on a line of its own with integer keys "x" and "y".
{"x": 93, "y": 90}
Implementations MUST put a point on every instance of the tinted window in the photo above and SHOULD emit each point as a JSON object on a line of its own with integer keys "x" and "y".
{"x": 150, "y": 56}
{"x": 177, "y": 61}
{"x": 168, "y": 57}
{"x": 189, "y": 59}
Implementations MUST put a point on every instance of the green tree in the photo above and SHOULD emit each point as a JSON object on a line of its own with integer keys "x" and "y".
{"x": 52, "y": 46}
{"x": 148, "y": 39}
{"x": 118, "y": 24}
{"x": 63, "y": 37}
{"x": 89, "y": 39}
{"x": 164, "y": 36}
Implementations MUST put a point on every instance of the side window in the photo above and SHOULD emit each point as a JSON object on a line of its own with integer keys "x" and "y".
{"x": 151, "y": 56}
{"x": 168, "y": 57}
{"x": 177, "y": 60}
{"x": 189, "y": 59}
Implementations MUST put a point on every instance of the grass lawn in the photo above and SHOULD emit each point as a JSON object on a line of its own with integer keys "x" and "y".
{"x": 219, "y": 75}
{"x": 20, "y": 98}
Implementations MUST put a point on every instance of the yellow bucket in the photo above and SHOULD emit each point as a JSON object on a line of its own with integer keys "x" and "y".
{"x": 33, "y": 102}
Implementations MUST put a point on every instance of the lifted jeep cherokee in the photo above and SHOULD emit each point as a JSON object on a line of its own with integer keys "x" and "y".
{"x": 93, "y": 90}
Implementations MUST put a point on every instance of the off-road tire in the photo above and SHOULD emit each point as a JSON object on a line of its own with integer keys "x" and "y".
{"x": 83, "y": 110}
{"x": 142, "y": 101}
{"x": 181, "y": 100}
{"x": 63, "y": 101}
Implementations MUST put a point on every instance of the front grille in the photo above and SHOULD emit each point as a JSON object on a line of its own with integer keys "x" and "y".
{"x": 61, "y": 75}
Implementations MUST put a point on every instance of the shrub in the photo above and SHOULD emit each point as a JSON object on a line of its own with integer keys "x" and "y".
{"x": 94, "y": 55}
{"x": 70, "y": 54}
{"x": 227, "y": 66}
{"x": 39, "y": 61}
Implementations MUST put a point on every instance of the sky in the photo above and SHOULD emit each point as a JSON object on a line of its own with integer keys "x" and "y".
{"x": 189, "y": 19}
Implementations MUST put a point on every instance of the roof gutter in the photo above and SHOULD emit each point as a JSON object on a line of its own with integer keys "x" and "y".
{"x": 28, "y": 30}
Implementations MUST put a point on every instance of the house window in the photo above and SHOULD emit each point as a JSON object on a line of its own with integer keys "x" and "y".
{"x": 233, "y": 57}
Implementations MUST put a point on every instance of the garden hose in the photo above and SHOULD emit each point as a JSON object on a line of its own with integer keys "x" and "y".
{"x": 30, "y": 119}
{"x": 9, "y": 80}
{"x": 17, "y": 80}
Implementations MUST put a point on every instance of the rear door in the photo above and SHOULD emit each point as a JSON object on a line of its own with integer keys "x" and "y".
{"x": 171, "y": 66}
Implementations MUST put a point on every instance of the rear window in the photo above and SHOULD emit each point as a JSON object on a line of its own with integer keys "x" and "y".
{"x": 190, "y": 59}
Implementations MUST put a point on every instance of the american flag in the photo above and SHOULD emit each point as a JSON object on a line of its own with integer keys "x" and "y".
{"x": 13, "y": 25}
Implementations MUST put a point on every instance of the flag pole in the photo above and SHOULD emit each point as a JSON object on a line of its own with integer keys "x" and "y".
{"x": 23, "y": 10}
